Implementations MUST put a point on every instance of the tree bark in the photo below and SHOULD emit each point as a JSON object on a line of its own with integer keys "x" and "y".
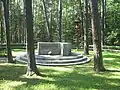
{"x": 51, "y": 31}
{"x": 86, "y": 42}
{"x": 1, "y": 22}
{"x": 32, "y": 68}
{"x": 6, "y": 15}
{"x": 24, "y": 24}
{"x": 46, "y": 19}
{"x": 2, "y": 32}
{"x": 82, "y": 25}
{"x": 60, "y": 20}
{"x": 102, "y": 21}
{"x": 98, "y": 59}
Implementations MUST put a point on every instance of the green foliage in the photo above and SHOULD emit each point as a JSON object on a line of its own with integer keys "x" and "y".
{"x": 116, "y": 1}
{"x": 111, "y": 39}
{"x": 112, "y": 23}
{"x": 71, "y": 12}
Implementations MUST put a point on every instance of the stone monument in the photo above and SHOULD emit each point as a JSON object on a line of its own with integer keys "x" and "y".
{"x": 54, "y": 48}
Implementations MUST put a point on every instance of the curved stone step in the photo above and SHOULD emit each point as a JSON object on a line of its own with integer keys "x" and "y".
{"x": 56, "y": 60}
{"x": 64, "y": 64}
{"x": 59, "y": 64}
{"x": 54, "y": 57}
{"x": 61, "y": 61}
{"x": 57, "y": 57}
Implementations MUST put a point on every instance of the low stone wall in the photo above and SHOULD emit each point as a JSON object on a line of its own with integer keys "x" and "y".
{"x": 54, "y": 48}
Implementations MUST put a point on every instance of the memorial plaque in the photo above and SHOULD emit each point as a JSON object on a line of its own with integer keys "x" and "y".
{"x": 54, "y": 48}
{"x": 49, "y": 48}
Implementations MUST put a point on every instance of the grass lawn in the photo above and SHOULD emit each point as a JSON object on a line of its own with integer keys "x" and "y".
{"x": 78, "y": 77}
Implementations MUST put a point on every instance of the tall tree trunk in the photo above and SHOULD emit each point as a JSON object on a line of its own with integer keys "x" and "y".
{"x": 82, "y": 25}
{"x": 86, "y": 41}
{"x": 102, "y": 21}
{"x": 51, "y": 31}
{"x": 24, "y": 24}
{"x": 96, "y": 32}
{"x": 2, "y": 31}
{"x": 19, "y": 23}
{"x": 46, "y": 18}
{"x": 32, "y": 68}
{"x": 6, "y": 14}
{"x": 1, "y": 22}
{"x": 105, "y": 4}
{"x": 60, "y": 20}
{"x": 50, "y": 19}
{"x": 0, "y": 19}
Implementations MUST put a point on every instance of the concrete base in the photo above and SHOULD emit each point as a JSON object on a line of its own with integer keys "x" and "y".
{"x": 65, "y": 49}
{"x": 54, "y": 48}
{"x": 55, "y": 60}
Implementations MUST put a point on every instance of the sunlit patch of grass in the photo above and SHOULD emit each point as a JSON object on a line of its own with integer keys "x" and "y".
{"x": 9, "y": 84}
{"x": 111, "y": 59}
{"x": 77, "y": 77}
{"x": 19, "y": 50}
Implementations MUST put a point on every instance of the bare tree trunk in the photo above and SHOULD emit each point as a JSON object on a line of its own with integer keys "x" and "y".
{"x": 98, "y": 59}
{"x": 24, "y": 24}
{"x": 50, "y": 19}
{"x": 2, "y": 32}
{"x": 1, "y": 22}
{"x": 46, "y": 18}
{"x": 19, "y": 24}
{"x": 105, "y": 4}
{"x": 82, "y": 26}
{"x": 6, "y": 14}
{"x": 86, "y": 42}
{"x": 60, "y": 20}
{"x": 51, "y": 31}
{"x": 32, "y": 68}
{"x": 102, "y": 21}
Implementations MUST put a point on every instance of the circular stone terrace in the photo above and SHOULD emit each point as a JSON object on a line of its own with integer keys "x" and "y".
{"x": 55, "y": 54}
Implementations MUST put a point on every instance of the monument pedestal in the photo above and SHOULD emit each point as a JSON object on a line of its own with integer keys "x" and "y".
{"x": 54, "y": 48}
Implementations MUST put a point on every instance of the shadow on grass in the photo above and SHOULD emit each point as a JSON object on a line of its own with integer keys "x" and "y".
{"x": 108, "y": 70}
{"x": 111, "y": 56}
{"x": 77, "y": 79}
{"x": 111, "y": 60}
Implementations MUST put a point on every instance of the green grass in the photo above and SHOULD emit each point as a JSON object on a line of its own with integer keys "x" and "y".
{"x": 19, "y": 50}
{"x": 78, "y": 77}
{"x": 3, "y": 52}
